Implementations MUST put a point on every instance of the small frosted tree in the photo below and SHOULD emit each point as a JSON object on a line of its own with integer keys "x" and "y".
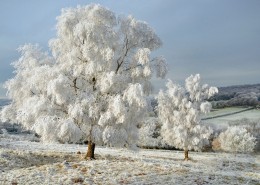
{"x": 237, "y": 139}
{"x": 94, "y": 83}
{"x": 179, "y": 111}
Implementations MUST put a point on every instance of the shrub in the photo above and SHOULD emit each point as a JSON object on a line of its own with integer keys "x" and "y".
{"x": 237, "y": 139}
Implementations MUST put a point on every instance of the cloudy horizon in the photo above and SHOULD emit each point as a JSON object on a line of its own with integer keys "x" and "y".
{"x": 218, "y": 39}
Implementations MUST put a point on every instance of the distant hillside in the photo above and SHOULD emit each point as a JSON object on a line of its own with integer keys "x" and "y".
{"x": 241, "y": 95}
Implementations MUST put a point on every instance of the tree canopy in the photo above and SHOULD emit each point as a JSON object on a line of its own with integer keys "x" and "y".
{"x": 94, "y": 82}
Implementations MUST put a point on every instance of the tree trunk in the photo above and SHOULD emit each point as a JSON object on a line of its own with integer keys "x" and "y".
{"x": 186, "y": 155}
{"x": 91, "y": 150}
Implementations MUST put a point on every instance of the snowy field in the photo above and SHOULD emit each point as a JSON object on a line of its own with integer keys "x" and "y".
{"x": 223, "y": 121}
{"x": 25, "y": 162}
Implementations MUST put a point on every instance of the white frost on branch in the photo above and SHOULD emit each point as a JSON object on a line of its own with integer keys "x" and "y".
{"x": 134, "y": 95}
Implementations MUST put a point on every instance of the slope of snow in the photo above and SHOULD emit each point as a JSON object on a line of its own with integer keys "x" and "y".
{"x": 223, "y": 122}
{"x": 25, "y": 162}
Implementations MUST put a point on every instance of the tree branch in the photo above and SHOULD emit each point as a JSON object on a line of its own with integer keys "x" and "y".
{"x": 75, "y": 85}
{"x": 119, "y": 64}
{"x": 84, "y": 61}
{"x": 138, "y": 65}
{"x": 62, "y": 108}
{"x": 94, "y": 83}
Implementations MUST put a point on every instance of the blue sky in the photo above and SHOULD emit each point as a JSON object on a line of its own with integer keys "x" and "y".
{"x": 217, "y": 38}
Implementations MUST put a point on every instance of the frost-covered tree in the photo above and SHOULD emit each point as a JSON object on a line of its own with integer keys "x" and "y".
{"x": 93, "y": 84}
{"x": 180, "y": 112}
{"x": 237, "y": 139}
{"x": 149, "y": 134}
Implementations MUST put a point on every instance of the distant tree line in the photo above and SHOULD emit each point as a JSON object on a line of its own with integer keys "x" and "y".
{"x": 246, "y": 95}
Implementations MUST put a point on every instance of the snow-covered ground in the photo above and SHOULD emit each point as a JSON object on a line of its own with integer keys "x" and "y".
{"x": 26, "y": 162}
{"x": 253, "y": 115}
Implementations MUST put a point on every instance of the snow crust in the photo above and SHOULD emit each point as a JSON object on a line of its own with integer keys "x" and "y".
{"x": 25, "y": 162}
